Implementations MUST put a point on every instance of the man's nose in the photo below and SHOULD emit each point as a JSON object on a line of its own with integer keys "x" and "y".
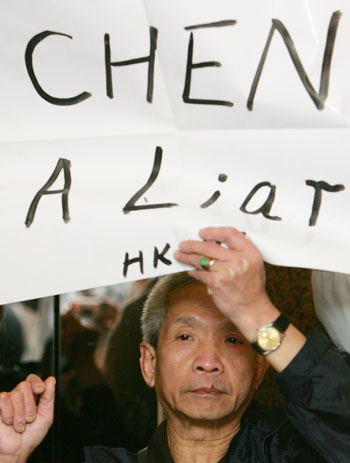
{"x": 208, "y": 360}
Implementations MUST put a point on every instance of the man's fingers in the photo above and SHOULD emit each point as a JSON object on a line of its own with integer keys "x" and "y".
{"x": 189, "y": 259}
{"x": 29, "y": 397}
{"x": 205, "y": 248}
{"x": 211, "y": 280}
{"x": 19, "y": 419}
{"x": 47, "y": 399}
{"x": 18, "y": 407}
{"x": 13, "y": 409}
{"x": 6, "y": 409}
{"x": 242, "y": 250}
{"x": 217, "y": 265}
{"x": 231, "y": 236}
{"x": 203, "y": 277}
{"x": 37, "y": 384}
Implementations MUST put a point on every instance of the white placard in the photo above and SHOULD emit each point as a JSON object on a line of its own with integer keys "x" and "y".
{"x": 172, "y": 130}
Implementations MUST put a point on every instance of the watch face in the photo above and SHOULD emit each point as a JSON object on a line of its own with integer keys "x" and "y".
{"x": 268, "y": 338}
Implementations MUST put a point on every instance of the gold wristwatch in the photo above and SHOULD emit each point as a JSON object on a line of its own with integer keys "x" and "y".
{"x": 268, "y": 338}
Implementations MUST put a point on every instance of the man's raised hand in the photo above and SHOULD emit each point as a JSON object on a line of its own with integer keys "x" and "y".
{"x": 236, "y": 278}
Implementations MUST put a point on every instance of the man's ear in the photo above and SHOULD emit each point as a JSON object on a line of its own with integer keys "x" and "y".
{"x": 148, "y": 363}
{"x": 261, "y": 367}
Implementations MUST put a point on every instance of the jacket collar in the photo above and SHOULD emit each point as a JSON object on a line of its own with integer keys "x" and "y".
{"x": 158, "y": 448}
{"x": 254, "y": 418}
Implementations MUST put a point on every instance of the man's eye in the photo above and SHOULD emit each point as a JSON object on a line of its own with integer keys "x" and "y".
{"x": 232, "y": 339}
{"x": 184, "y": 337}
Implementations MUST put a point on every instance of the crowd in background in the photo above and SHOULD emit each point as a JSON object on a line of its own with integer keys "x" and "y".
{"x": 102, "y": 398}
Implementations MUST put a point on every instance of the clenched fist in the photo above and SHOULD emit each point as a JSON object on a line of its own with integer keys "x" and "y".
{"x": 26, "y": 414}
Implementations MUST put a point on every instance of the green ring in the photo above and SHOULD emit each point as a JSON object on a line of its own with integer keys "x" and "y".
{"x": 203, "y": 262}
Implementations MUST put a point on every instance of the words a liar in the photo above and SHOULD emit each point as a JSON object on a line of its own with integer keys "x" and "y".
{"x": 320, "y": 189}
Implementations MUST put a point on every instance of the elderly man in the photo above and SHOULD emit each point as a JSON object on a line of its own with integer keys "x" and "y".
{"x": 208, "y": 338}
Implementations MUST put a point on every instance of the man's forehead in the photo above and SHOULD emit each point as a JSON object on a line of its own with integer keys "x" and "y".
{"x": 188, "y": 296}
{"x": 192, "y": 305}
{"x": 189, "y": 291}
{"x": 196, "y": 320}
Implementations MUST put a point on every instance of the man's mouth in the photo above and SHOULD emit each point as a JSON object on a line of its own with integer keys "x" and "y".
{"x": 207, "y": 390}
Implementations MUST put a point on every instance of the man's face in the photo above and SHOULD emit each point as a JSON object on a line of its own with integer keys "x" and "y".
{"x": 205, "y": 369}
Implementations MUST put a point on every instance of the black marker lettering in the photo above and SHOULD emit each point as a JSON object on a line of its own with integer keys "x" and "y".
{"x": 62, "y": 164}
{"x": 190, "y": 65}
{"x": 211, "y": 200}
{"x": 130, "y": 205}
{"x": 224, "y": 23}
{"x": 161, "y": 256}
{"x": 29, "y": 64}
{"x": 150, "y": 59}
{"x": 266, "y": 207}
{"x": 222, "y": 178}
{"x": 318, "y": 98}
{"x": 128, "y": 262}
{"x": 319, "y": 186}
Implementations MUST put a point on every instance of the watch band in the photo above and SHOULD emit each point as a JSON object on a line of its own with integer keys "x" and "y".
{"x": 281, "y": 323}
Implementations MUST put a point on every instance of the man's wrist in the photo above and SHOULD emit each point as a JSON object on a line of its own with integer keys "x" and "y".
{"x": 269, "y": 337}
{"x": 13, "y": 459}
{"x": 250, "y": 320}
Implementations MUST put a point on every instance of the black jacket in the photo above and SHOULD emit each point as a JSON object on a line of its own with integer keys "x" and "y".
{"x": 315, "y": 394}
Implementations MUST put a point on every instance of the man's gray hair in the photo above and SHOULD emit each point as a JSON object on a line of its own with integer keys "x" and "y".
{"x": 156, "y": 306}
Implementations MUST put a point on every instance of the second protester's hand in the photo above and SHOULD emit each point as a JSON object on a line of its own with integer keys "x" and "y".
{"x": 26, "y": 414}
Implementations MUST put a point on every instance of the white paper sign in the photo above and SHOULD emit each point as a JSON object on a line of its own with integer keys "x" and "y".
{"x": 126, "y": 126}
